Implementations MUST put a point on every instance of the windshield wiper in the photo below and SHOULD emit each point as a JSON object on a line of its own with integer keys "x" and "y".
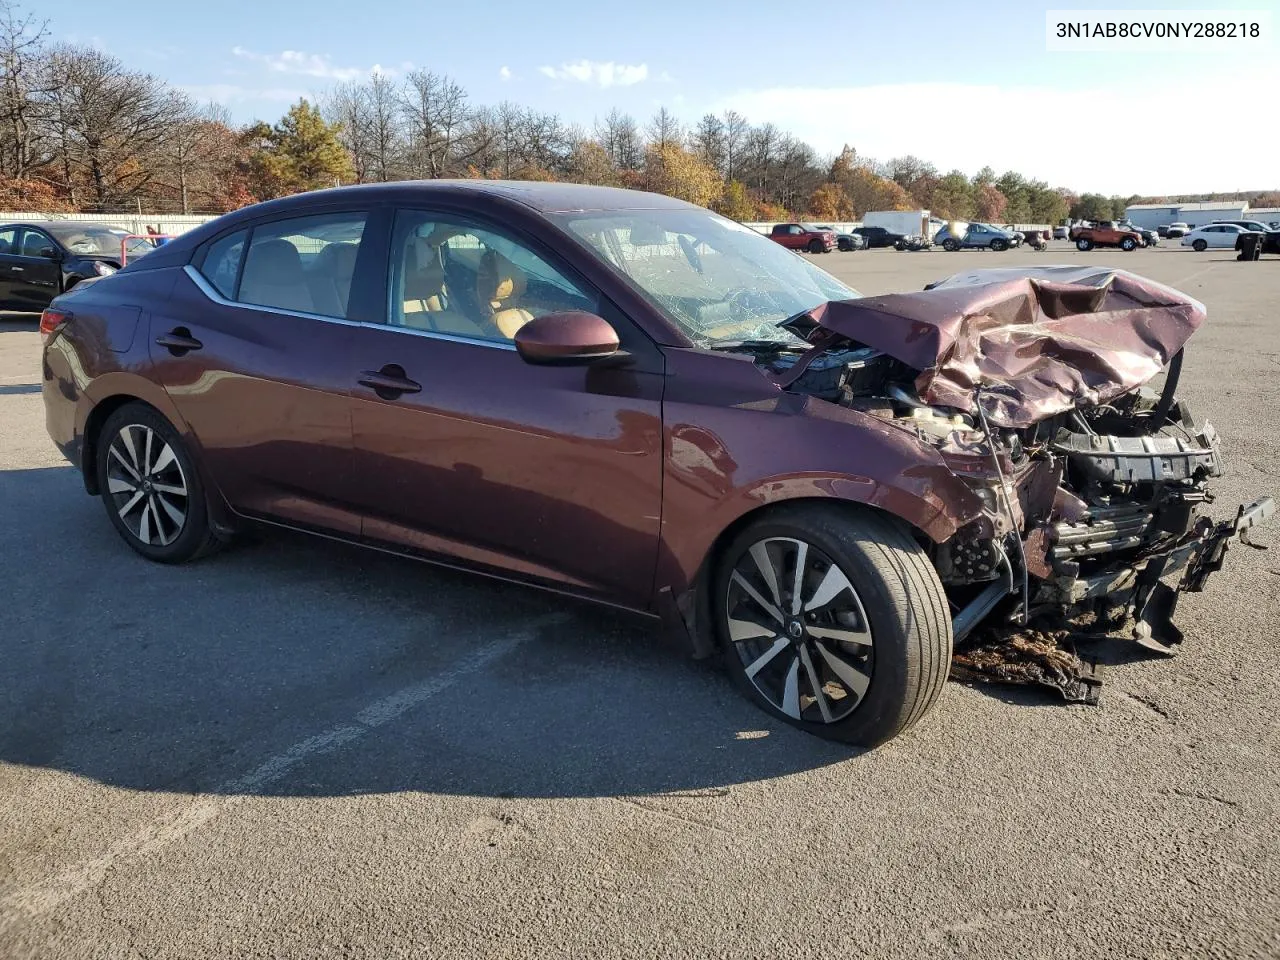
{"x": 757, "y": 345}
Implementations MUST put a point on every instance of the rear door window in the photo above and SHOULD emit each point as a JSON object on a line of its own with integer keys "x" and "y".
{"x": 302, "y": 264}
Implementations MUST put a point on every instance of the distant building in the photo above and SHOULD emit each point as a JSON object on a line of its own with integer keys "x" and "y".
{"x": 1267, "y": 215}
{"x": 1152, "y": 215}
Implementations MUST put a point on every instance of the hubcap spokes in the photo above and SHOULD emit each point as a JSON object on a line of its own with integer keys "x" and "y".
{"x": 146, "y": 485}
{"x": 798, "y": 626}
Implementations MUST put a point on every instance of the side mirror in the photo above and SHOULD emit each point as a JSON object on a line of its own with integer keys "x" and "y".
{"x": 49, "y": 253}
{"x": 572, "y": 337}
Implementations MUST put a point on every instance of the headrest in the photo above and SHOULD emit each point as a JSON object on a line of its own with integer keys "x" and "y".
{"x": 338, "y": 258}
{"x": 275, "y": 260}
{"x": 424, "y": 283}
{"x": 498, "y": 279}
{"x": 5, "y": 246}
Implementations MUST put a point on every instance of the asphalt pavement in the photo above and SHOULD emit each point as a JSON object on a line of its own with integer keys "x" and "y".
{"x": 296, "y": 748}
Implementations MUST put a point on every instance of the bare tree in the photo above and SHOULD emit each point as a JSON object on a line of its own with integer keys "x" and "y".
{"x": 23, "y": 145}
{"x": 192, "y": 147}
{"x": 707, "y": 141}
{"x": 663, "y": 130}
{"x": 348, "y": 107}
{"x": 736, "y": 129}
{"x": 436, "y": 108}
{"x": 110, "y": 121}
{"x": 621, "y": 140}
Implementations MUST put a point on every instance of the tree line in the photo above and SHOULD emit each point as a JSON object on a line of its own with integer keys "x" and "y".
{"x": 80, "y": 131}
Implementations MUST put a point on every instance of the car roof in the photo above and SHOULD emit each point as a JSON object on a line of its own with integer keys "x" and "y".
{"x": 545, "y": 197}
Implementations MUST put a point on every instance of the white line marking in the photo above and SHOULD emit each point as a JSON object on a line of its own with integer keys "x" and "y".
{"x": 47, "y": 895}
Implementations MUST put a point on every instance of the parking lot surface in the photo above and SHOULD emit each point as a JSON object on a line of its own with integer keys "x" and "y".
{"x": 296, "y": 748}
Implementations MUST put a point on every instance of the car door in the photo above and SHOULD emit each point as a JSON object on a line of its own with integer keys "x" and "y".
{"x": 254, "y": 347}
{"x": 10, "y": 256}
{"x": 463, "y": 450}
{"x": 35, "y": 275}
{"x": 1226, "y": 236}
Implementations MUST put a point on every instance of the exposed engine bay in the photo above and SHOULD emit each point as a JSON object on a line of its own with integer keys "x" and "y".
{"x": 1093, "y": 484}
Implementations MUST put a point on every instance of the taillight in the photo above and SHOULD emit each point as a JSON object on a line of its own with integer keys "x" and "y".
{"x": 51, "y": 322}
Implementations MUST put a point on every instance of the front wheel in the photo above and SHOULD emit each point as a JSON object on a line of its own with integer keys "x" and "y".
{"x": 1200, "y": 246}
{"x": 150, "y": 487}
{"x": 999, "y": 245}
{"x": 815, "y": 246}
{"x": 1084, "y": 244}
{"x": 833, "y": 620}
{"x": 1127, "y": 244}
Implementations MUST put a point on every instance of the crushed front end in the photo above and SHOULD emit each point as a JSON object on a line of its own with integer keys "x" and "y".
{"x": 1032, "y": 386}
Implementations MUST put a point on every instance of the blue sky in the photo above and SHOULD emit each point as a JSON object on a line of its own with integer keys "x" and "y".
{"x": 959, "y": 84}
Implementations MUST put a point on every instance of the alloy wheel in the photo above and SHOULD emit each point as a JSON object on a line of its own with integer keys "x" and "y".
{"x": 798, "y": 626}
{"x": 146, "y": 484}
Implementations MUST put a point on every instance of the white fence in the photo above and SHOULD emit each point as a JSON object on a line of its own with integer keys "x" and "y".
{"x": 168, "y": 223}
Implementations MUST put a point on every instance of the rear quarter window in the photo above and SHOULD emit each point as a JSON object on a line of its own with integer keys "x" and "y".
{"x": 221, "y": 265}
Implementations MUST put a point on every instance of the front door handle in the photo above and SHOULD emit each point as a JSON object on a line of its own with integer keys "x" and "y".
{"x": 389, "y": 382}
{"x": 178, "y": 341}
{"x": 18, "y": 269}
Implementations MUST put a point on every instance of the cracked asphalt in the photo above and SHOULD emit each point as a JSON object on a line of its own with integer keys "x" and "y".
{"x": 299, "y": 749}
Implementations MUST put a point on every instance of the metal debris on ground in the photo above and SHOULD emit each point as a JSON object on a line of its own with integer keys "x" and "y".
{"x": 1045, "y": 658}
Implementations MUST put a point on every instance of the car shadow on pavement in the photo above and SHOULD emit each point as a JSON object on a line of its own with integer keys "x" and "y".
{"x": 296, "y": 666}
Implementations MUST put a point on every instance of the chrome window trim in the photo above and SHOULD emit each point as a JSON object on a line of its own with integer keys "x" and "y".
{"x": 211, "y": 292}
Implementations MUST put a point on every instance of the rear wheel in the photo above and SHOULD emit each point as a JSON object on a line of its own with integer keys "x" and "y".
{"x": 1084, "y": 244}
{"x": 1199, "y": 246}
{"x": 951, "y": 246}
{"x": 834, "y": 621}
{"x": 150, "y": 487}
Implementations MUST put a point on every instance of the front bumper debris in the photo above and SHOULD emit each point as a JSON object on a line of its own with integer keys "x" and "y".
{"x": 1142, "y": 594}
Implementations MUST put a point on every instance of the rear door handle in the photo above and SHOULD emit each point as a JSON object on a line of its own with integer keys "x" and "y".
{"x": 178, "y": 341}
{"x": 389, "y": 382}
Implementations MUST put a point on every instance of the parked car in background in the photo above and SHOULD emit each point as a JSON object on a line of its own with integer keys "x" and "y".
{"x": 1104, "y": 233}
{"x": 626, "y": 398}
{"x": 878, "y": 236}
{"x": 803, "y": 236}
{"x": 1175, "y": 230}
{"x": 1216, "y": 235}
{"x": 975, "y": 236}
{"x": 38, "y": 261}
{"x": 1060, "y": 232}
{"x": 1150, "y": 238}
{"x": 1256, "y": 225}
{"x": 846, "y": 241}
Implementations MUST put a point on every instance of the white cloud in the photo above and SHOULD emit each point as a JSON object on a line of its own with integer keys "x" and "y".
{"x": 1170, "y": 137}
{"x": 599, "y": 73}
{"x": 505, "y": 73}
{"x": 304, "y": 64}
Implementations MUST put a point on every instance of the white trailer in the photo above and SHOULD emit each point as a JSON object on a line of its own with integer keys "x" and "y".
{"x": 909, "y": 223}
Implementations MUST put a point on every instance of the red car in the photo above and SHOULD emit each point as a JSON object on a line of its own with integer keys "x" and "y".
{"x": 631, "y": 399}
{"x": 803, "y": 236}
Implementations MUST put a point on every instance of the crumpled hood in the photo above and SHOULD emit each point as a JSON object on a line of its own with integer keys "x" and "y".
{"x": 1030, "y": 342}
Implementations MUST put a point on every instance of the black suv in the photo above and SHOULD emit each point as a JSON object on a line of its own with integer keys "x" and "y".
{"x": 879, "y": 236}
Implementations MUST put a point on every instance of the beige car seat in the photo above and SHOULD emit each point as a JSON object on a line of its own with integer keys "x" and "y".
{"x": 500, "y": 284}
{"x": 426, "y": 296}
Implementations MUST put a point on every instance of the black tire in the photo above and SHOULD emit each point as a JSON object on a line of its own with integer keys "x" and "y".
{"x": 150, "y": 483}
{"x": 1085, "y": 244}
{"x": 815, "y": 246}
{"x": 1199, "y": 246}
{"x": 896, "y": 592}
{"x": 951, "y": 246}
{"x": 1127, "y": 244}
{"x": 999, "y": 245}
{"x": 845, "y": 246}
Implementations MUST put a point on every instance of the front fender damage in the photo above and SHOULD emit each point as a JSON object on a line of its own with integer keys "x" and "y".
{"x": 1031, "y": 385}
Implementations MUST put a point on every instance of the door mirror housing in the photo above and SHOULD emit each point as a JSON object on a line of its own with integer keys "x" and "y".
{"x": 568, "y": 338}
{"x": 49, "y": 253}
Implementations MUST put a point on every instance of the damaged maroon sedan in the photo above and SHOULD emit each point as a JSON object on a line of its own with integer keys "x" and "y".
{"x": 623, "y": 397}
